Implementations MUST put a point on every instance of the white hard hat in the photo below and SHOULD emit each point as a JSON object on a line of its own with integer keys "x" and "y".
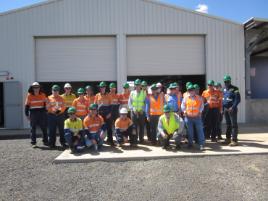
{"x": 123, "y": 111}
{"x": 159, "y": 84}
{"x": 67, "y": 85}
{"x": 35, "y": 84}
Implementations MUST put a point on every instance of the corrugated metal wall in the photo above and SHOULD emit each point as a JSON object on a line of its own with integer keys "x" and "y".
{"x": 224, "y": 40}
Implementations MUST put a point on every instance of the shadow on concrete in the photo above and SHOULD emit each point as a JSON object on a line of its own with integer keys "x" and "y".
{"x": 129, "y": 148}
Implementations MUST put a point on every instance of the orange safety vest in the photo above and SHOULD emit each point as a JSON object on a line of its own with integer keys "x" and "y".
{"x": 93, "y": 124}
{"x": 102, "y": 99}
{"x": 193, "y": 106}
{"x": 114, "y": 99}
{"x": 156, "y": 106}
{"x": 36, "y": 101}
{"x": 55, "y": 103}
{"x": 90, "y": 99}
{"x": 213, "y": 98}
{"x": 81, "y": 106}
{"x": 124, "y": 99}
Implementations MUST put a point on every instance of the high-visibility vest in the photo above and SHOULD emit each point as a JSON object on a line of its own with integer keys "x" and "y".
{"x": 81, "y": 106}
{"x": 36, "y": 101}
{"x": 93, "y": 124}
{"x": 156, "y": 106}
{"x": 124, "y": 99}
{"x": 138, "y": 100}
{"x": 68, "y": 99}
{"x": 193, "y": 106}
{"x": 114, "y": 99}
{"x": 55, "y": 103}
{"x": 89, "y": 99}
{"x": 213, "y": 98}
{"x": 170, "y": 125}
{"x": 102, "y": 99}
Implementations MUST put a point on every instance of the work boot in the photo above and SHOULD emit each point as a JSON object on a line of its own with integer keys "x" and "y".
{"x": 34, "y": 146}
{"x": 201, "y": 148}
{"x": 233, "y": 143}
{"x": 213, "y": 140}
{"x": 178, "y": 147}
{"x": 227, "y": 141}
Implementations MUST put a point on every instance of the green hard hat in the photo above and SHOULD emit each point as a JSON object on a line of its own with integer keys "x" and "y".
{"x": 154, "y": 87}
{"x": 88, "y": 87}
{"x": 217, "y": 84}
{"x": 80, "y": 91}
{"x": 137, "y": 82}
{"x": 188, "y": 83}
{"x": 196, "y": 86}
{"x": 102, "y": 84}
{"x": 112, "y": 85}
{"x": 190, "y": 87}
{"x": 71, "y": 110}
{"x": 56, "y": 87}
{"x": 126, "y": 86}
{"x": 211, "y": 82}
{"x": 172, "y": 86}
{"x": 227, "y": 78}
{"x": 93, "y": 106}
{"x": 167, "y": 108}
{"x": 143, "y": 83}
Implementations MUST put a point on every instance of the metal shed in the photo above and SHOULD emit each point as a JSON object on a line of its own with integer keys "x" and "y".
{"x": 83, "y": 40}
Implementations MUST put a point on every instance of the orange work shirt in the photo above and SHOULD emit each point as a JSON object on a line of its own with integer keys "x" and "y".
{"x": 93, "y": 124}
{"x": 36, "y": 101}
{"x": 55, "y": 103}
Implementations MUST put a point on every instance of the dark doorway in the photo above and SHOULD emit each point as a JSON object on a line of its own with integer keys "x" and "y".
{"x": 180, "y": 79}
{"x": 1, "y": 104}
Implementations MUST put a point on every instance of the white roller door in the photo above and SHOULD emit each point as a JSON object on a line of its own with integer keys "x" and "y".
{"x": 75, "y": 59}
{"x": 165, "y": 55}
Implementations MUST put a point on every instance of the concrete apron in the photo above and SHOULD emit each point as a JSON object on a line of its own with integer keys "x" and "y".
{"x": 248, "y": 144}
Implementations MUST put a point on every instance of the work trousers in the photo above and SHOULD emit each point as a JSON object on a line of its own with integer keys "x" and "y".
{"x": 138, "y": 121}
{"x": 197, "y": 122}
{"x": 231, "y": 123}
{"x": 54, "y": 122}
{"x": 38, "y": 118}
{"x": 153, "y": 127}
{"x": 212, "y": 119}
{"x": 165, "y": 141}
{"x": 127, "y": 134}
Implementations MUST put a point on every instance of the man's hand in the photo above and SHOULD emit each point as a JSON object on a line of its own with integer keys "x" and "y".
{"x": 164, "y": 135}
{"x": 148, "y": 119}
{"x": 230, "y": 110}
{"x": 108, "y": 116}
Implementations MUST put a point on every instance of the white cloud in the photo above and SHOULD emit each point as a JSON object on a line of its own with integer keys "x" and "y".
{"x": 202, "y": 8}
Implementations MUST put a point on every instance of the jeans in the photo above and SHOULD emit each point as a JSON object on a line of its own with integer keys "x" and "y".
{"x": 127, "y": 134}
{"x": 96, "y": 136}
{"x": 153, "y": 127}
{"x": 197, "y": 122}
{"x": 54, "y": 122}
{"x": 38, "y": 118}
{"x": 108, "y": 123}
{"x": 70, "y": 138}
{"x": 138, "y": 121}
{"x": 165, "y": 141}
{"x": 231, "y": 122}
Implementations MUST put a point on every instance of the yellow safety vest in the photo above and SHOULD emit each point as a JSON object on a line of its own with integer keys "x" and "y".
{"x": 170, "y": 126}
{"x": 138, "y": 100}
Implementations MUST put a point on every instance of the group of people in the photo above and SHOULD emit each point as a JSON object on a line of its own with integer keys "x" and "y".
{"x": 87, "y": 120}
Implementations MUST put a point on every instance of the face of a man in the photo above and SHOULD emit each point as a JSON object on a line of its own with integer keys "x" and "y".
{"x": 138, "y": 87}
{"x": 36, "y": 89}
{"x": 89, "y": 91}
{"x": 123, "y": 116}
{"x": 68, "y": 90}
{"x": 210, "y": 87}
{"x": 93, "y": 112}
{"x": 102, "y": 90}
{"x": 227, "y": 84}
{"x": 55, "y": 92}
{"x": 126, "y": 90}
{"x": 167, "y": 114}
{"x": 192, "y": 92}
{"x": 113, "y": 90}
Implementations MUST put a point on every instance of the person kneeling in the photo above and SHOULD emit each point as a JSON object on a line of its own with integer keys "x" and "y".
{"x": 123, "y": 129}
{"x": 94, "y": 127}
{"x": 170, "y": 126}
{"x": 73, "y": 131}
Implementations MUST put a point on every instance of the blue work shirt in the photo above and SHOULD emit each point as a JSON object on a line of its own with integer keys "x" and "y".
{"x": 231, "y": 97}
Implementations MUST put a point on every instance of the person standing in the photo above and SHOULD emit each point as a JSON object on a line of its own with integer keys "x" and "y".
{"x": 231, "y": 99}
{"x": 218, "y": 88}
{"x": 114, "y": 102}
{"x": 68, "y": 97}
{"x": 154, "y": 109}
{"x": 81, "y": 104}
{"x": 56, "y": 108}
{"x": 123, "y": 98}
{"x": 89, "y": 95}
{"x": 214, "y": 101}
{"x": 192, "y": 107}
{"x": 136, "y": 104}
{"x": 35, "y": 111}
{"x": 103, "y": 101}
{"x": 173, "y": 99}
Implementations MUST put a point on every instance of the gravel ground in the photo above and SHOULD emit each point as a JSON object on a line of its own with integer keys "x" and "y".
{"x": 29, "y": 174}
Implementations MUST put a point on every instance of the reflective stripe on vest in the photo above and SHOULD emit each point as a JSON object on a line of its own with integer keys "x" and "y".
{"x": 193, "y": 106}
{"x": 169, "y": 126}
{"x": 156, "y": 106}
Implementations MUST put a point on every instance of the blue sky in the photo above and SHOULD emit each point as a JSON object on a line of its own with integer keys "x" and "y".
{"x": 236, "y": 10}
